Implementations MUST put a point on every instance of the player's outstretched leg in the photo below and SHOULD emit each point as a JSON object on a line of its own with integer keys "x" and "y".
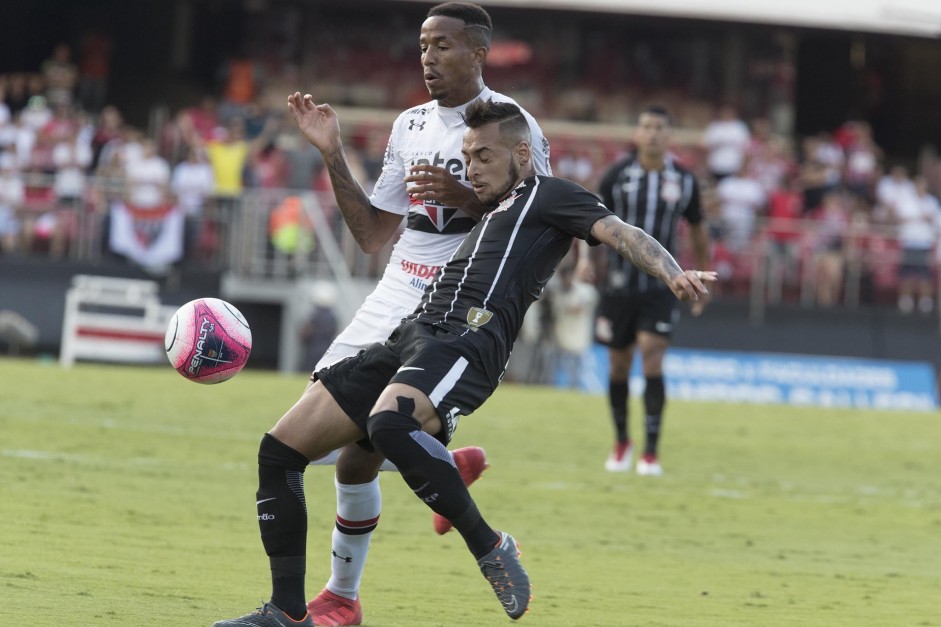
{"x": 509, "y": 580}
{"x": 471, "y": 461}
{"x": 268, "y": 615}
{"x": 427, "y": 467}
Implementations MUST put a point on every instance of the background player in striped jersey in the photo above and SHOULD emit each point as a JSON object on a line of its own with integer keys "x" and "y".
{"x": 424, "y": 179}
{"x": 648, "y": 189}
{"x": 445, "y": 359}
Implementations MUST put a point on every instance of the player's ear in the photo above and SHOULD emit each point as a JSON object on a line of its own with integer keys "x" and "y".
{"x": 480, "y": 55}
{"x": 522, "y": 153}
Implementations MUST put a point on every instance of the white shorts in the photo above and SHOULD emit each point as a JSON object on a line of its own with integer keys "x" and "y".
{"x": 375, "y": 319}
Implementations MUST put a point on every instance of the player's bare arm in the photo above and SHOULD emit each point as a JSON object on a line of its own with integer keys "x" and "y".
{"x": 370, "y": 227}
{"x": 429, "y": 182}
{"x": 649, "y": 255}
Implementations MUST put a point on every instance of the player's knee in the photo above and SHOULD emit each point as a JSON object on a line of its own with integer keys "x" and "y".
{"x": 274, "y": 453}
{"x": 356, "y": 465}
{"x": 385, "y": 427}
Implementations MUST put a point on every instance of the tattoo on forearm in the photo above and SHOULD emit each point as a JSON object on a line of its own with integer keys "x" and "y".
{"x": 351, "y": 199}
{"x": 643, "y": 251}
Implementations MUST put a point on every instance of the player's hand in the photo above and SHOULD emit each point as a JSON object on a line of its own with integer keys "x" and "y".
{"x": 429, "y": 182}
{"x": 700, "y": 305}
{"x": 691, "y": 285}
{"x": 319, "y": 123}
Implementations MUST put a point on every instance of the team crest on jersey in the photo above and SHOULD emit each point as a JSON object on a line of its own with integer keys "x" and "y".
{"x": 439, "y": 216}
{"x": 478, "y": 317}
{"x": 507, "y": 202}
{"x": 670, "y": 189}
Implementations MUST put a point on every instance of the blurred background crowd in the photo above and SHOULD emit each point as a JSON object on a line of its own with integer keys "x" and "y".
{"x": 826, "y": 205}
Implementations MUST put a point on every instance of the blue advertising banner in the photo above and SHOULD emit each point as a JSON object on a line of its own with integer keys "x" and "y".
{"x": 783, "y": 379}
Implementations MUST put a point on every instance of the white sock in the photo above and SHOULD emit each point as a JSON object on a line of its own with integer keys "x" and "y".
{"x": 358, "y": 507}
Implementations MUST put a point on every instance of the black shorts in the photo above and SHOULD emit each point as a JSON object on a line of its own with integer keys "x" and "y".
{"x": 621, "y": 316}
{"x": 445, "y": 366}
{"x": 915, "y": 264}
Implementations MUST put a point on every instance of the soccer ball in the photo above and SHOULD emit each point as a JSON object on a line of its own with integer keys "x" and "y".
{"x": 208, "y": 340}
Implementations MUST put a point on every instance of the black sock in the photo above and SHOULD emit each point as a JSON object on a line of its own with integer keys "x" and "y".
{"x": 654, "y": 400}
{"x": 617, "y": 399}
{"x": 427, "y": 468}
{"x": 282, "y": 518}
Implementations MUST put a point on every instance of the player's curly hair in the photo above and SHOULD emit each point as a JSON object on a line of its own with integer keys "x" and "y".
{"x": 477, "y": 23}
{"x": 513, "y": 124}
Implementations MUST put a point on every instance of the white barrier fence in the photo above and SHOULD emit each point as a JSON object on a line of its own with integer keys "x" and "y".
{"x": 111, "y": 319}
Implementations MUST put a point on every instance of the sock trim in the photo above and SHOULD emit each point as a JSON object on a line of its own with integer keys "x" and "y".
{"x": 356, "y": 527}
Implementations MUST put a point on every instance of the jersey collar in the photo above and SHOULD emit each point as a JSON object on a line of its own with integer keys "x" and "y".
{"x": 453, "y": 116}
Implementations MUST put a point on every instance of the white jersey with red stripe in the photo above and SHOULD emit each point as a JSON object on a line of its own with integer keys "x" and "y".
{"x": 426, "y": 134}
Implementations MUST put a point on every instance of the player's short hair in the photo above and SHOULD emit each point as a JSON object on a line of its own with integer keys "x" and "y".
{"x": 513, "y": 124}
{"x": 477, "y": 23}
{"x": 658, "y": 110}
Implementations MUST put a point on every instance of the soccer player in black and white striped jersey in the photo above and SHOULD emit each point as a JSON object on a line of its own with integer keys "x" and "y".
{"x": 405, "y": 397}
{"x": 649, "y": 190}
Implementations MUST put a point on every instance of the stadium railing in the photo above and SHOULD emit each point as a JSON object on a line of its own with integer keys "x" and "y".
{"x": 242, "y": 239}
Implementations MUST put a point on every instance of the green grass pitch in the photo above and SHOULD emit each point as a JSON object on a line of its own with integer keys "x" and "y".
{"x": 128, "y": 499}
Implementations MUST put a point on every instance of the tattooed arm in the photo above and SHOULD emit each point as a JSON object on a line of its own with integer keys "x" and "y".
{"x": 370, "y": 227}
{"x": 649, "y": 255}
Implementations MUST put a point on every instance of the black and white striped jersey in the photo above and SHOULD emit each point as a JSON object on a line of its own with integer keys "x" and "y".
{"x": 503, "y": 265}
{"x": 653, "y": 201}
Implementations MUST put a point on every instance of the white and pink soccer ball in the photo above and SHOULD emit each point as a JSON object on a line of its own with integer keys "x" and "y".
{"x": 208, "y": 340}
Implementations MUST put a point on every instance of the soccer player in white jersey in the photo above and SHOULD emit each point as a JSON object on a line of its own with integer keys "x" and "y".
{"x": 424, "y": 180}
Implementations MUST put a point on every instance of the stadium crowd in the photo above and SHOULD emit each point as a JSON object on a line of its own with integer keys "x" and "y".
{"x": 813, "y": 209}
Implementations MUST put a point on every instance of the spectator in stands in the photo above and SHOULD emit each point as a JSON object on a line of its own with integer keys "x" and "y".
{"x": 177, "y": 137}
{"x": 147, "y": 228}
{"x": 305, "y": 163}
{"x": 6, "y": 117}
{"x": 241, "y": 80}
{"x": 890, "y": 189}
{"x": 17, "y": 95}
{"x": 71, "y": 156}
{"x": 147, "y": 178}
{"x": 228, "y": 155}
{"x": 37, "y": 113}
{"x": 814, "y": 178}
{"x": 726, "y": 141}
{"x": 573, "y": 305}
{"x": 193, "y": 182}
{"x": 829, "y": 153}
{"x": 863, "y": 157}
{"x": 7, "y": 128}
{"x": 60, "y": 74}
{"x": 766, "y": 157}
{"x": 108, "y": 128}
{"x": 576, "y": 165}
{"x": 205, "y": 117}
{"x": 917, "y": 215}
{"x": 94, "y": 70}
{"x": 785, "y": 212}
{"x": 12, "y": 195}
{"x": 830, "y": 228}
{"x": 742, "y": 200}
{"x": 268, "y": 167}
